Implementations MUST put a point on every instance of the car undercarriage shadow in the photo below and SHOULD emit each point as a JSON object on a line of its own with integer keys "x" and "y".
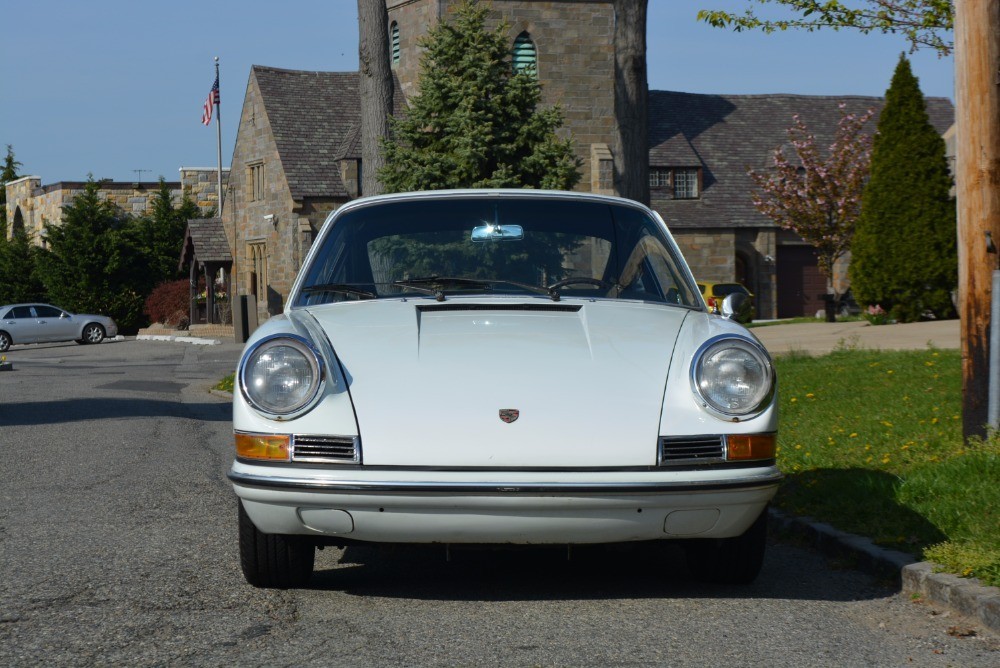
{"x": 620, "y": 571}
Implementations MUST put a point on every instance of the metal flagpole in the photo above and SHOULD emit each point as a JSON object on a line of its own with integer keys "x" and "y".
{"x": 218, "y": 127}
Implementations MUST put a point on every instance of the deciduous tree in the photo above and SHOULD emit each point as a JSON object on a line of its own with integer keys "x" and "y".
{"x": 631, "y": 150}
{"x": 375, "y": 88}
{"x": 475, "y": 122}
{"x": 925, "y": 23}
{"x": 817, "y": 194}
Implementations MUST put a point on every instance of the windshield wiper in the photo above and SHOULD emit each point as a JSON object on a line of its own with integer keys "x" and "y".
{"x": 433, "y": 285}
{"x": 342, "y": 288}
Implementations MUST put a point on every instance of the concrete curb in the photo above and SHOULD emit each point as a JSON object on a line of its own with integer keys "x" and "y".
{"x": 965, "y": 596}
{"x": 178, "y": 339}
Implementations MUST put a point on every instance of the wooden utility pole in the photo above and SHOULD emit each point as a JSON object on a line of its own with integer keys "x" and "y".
{"x": 977, "y": 180}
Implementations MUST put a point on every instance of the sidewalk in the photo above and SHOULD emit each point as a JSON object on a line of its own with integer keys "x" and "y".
{"x": 822, "y": 337}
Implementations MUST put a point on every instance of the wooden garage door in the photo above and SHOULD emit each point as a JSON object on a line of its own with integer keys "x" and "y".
{"x": 800, "y": 283}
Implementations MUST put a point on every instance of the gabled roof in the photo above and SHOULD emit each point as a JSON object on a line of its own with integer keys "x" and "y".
{"x": 205, "y": 240}
{"x": 726, "y": 134}
{"x": 315, "y": 119}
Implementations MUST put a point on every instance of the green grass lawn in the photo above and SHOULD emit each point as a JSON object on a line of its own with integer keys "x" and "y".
{"x": 871, "y": 442}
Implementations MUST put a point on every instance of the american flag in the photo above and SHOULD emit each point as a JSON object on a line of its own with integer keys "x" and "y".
{"x": 213, "y": 99}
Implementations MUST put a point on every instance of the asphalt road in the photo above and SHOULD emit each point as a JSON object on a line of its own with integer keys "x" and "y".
{"x": 118, "y": 547}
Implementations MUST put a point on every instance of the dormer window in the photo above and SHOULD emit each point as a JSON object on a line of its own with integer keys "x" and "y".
{"x": 525, "y": 57}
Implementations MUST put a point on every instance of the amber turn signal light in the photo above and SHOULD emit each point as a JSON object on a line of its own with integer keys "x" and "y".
{"x": 263, "y": 446}
{"x": 744, "y": 447}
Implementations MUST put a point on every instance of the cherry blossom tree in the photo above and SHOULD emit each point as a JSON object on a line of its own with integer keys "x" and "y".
{"x": 817, "y": 194}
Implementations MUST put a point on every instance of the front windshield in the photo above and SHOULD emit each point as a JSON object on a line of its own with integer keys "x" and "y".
{"x": 486, "y": 245}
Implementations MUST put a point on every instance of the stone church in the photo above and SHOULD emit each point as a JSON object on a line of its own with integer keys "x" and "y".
{"x": 297, "y": 154}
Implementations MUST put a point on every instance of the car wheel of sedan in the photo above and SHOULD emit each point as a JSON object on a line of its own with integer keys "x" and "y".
{"x": 730, "y": 560}
{"x": 4, "y": 342}
{"x": 274, "y": 560}
{"x": 92, "y": 333}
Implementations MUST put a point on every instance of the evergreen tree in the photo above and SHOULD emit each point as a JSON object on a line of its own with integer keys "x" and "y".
{"x": 7, "y": 174}
{"x": 18, "y": 279}
{"x": 160, "y": 235}
{"x": 92, "y": 263}
{"x": 904, "y": 254}
{"x": 475, "y": 123}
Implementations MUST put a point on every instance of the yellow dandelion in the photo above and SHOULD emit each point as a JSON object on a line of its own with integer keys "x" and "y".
{"x": 934, "y": 421}
{"x": 869, "y": 460}
{"x": 853, "y": 434}
{"x": 890, "y": 372}
{"x": 793, "y": 400}
{"x": 798, "y": 446}
{"x": 810, "y": 395}
{"x": 886, "y": 423}
{"x": 867, "y": 447}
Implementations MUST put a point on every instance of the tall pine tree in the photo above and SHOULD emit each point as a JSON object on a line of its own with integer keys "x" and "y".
{"x": 476, "y": 122}
{"x": 904, "y": 256}
{"x": 92, "y": 263}
{"x": 7, "y": 173}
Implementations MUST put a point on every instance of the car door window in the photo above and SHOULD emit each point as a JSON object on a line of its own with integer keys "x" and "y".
{"x": 48, "y": 312}
{"x": 21, "y": 312}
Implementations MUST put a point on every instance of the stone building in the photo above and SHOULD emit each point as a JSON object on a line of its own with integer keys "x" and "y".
{"x": 297, "y": 154}
{"x": 30, "y": 205}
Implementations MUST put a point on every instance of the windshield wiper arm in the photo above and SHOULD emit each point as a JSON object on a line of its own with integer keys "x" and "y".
{"x": 342, "y": 288}
{"x": 438, "y": 282}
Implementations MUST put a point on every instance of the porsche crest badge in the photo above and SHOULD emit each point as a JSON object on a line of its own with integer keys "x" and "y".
{"x": 508, "y": 415}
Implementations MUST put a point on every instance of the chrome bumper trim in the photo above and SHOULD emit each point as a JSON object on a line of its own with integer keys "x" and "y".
{"x": 766, "y": 479}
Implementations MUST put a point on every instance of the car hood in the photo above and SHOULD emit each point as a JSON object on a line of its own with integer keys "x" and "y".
{"x": 430, "y": 382}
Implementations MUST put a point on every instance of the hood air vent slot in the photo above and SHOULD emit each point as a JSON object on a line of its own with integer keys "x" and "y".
{"x": 544, "y": 308}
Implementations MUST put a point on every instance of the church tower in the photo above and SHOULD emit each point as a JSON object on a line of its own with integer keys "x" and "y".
{"x": 571, "y": 45}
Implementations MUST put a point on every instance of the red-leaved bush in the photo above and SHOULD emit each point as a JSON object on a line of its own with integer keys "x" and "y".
{"x": 169, "y": 303}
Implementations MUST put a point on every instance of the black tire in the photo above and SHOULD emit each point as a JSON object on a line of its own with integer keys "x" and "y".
{"x": 730, "y": 560}
{"x": 274, "y": 561}
{"x": 92, "y": 333}
{"x": 5, "y": 342}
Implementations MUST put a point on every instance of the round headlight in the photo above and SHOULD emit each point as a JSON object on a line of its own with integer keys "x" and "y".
{"x": 733, "y": 376}
{"x": 281, "y": 375}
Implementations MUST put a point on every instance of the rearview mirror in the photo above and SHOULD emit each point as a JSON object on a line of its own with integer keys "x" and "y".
{"x": 497, "y": 233}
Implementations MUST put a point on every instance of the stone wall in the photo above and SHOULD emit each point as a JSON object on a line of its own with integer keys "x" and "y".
{"x": 576, "y": 59}
{"x": 32, "y": 205}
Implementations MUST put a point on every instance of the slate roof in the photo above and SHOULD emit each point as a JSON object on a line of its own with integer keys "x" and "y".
{"x": 205, "y": 239}
{"x": 315, "y": 119}
{"x": 726, "y": 134}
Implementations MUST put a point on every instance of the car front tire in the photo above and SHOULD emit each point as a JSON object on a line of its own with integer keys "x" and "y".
{"x": 92, "y": 333}
{"x": 730, "y": 560}
{"x": 274, "y": 561}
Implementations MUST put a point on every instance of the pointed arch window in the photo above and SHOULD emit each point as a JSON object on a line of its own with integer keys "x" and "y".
{"x": 394, "y": 42}
{"x": 525, "y": 56}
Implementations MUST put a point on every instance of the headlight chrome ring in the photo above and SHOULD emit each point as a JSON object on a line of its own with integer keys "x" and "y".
{"x": 281, "y": 376}
{"x": 733, "y": 377}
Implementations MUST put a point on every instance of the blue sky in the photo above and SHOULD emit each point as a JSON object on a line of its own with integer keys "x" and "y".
{"x": 107, "y": 87}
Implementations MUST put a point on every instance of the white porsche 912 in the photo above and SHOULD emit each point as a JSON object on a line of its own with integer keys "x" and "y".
{"x": 502, "y": 367}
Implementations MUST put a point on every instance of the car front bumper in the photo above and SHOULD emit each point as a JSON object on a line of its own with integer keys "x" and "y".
{"x": 520, "y": 507}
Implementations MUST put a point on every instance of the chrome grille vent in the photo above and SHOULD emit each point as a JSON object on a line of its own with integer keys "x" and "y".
{"x": 691, "y": 450}
{"x": 326, "y": 449}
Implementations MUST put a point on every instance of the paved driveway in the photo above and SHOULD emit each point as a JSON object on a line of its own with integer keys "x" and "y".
{"x": 821, "y": 337}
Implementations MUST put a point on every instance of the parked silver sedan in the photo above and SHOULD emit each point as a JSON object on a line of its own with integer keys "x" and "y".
{"x": 43, "y": 323}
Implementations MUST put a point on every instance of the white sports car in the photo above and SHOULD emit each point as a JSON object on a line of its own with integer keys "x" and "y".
{"x": 501, "y": 367}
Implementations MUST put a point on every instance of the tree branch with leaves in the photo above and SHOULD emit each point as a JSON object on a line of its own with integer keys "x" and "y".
{"x": 925, "y": 23}
{"x": 817, "y": 194}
